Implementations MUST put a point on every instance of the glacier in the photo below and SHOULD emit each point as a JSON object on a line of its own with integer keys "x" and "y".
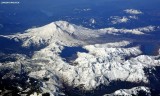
{"x": 110, "y": 59}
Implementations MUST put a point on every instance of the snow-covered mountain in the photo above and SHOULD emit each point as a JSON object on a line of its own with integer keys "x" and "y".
{"x": 70, "y": 34}
{"x": 110, "y": 58}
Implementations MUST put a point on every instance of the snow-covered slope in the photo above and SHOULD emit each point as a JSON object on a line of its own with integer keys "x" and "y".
{"x": 133, "y": 91}
{"x": 101, "y": 65}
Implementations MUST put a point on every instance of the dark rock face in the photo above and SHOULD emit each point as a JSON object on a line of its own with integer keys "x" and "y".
{"x": 154, "y": 78}
{"x": 17, "y": 84}
{"x": 103, "y": 89}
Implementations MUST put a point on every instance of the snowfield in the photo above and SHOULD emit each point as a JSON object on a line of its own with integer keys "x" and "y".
{"x": 103, "y": 64}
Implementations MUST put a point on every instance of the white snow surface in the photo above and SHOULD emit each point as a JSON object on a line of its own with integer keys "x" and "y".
{"x": 130, "y": 92}
{"x": 117, "y": 19}
{"x": 103, "y": 63}
{"x": 133, "y": 11}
